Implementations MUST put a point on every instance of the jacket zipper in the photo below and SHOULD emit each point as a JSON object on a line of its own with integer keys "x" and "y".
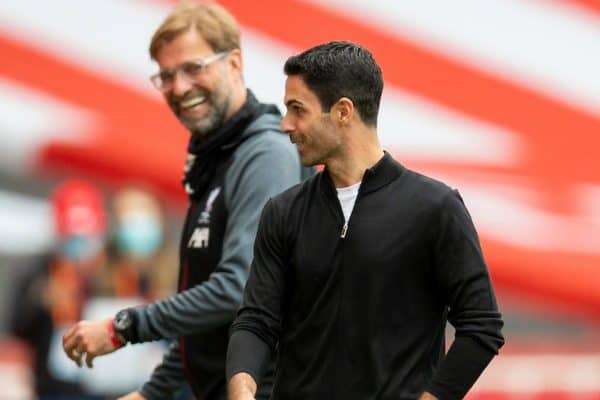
{"x": 344, "y": 230}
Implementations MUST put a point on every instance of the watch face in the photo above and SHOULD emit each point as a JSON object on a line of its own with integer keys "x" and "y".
{"x": 122, "y": 320}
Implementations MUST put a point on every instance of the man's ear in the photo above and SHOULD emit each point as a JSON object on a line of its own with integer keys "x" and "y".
{"x": 234, "y": 61}
{"x": 343, "y": 111}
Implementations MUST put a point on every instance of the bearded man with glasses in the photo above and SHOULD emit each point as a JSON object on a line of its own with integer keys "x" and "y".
{"x": 237, "y": 159}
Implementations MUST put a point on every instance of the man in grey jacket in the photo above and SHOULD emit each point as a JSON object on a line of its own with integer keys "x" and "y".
{"x": 237, "y": 160}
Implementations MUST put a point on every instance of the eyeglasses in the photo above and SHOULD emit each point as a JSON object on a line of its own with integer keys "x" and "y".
{"x": 191, "y": 70}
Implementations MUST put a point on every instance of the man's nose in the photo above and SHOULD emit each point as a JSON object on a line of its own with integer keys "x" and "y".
{"x": 181, "y": 85}
{"x": 286, "y": 124}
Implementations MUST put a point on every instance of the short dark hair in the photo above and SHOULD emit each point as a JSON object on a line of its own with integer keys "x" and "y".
{"x": 341, "y": 69}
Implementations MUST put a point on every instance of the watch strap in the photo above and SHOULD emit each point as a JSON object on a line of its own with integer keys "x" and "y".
{"x": 127, "y": 331}
{"x": 114, "y": 339}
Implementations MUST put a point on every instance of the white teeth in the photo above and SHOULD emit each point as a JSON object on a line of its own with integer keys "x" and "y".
{"x": 194, "y": 101}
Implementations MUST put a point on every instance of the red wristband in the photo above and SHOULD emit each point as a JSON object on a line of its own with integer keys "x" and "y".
{"x": 113, "y": 336}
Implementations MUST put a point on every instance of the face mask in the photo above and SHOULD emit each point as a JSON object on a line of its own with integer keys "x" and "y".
{"x": 80, "y": 249}
{"x": 138, "y": 234}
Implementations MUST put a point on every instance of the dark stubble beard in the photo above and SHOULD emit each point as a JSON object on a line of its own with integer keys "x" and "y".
{"x": 324, "y": 154}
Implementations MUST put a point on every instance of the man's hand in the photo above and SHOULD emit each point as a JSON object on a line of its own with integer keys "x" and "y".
{"x": 241, "y": 387}
{"x": 132, "y": 396}
{"x": 91, "y": 338}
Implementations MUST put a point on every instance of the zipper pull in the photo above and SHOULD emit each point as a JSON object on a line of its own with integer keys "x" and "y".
{"x": 344, "y": 230}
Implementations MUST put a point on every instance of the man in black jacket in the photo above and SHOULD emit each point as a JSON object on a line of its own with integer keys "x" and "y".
{"x": 357, "y": 270}
{"x": 237, "y": 159}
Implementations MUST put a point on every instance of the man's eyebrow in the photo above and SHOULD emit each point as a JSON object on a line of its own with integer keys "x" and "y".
{"x": 293, "y": 102}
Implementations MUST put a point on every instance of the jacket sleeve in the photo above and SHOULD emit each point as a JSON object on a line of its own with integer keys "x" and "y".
{"x": 463, "y": 278}
{"x": 167, "y": 378}
{"x": 256, "y": 330}
{"x": 262, "y": 168}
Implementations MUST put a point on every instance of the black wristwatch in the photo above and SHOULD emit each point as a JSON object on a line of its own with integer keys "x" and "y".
{"x": 125, "y": 324}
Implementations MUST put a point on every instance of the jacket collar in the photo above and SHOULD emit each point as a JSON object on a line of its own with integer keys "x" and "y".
{"x": 385, "y": 171}
{"x": 382, "y": 173}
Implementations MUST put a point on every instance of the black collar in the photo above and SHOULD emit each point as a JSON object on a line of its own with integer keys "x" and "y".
{"x": 382, "y": 173}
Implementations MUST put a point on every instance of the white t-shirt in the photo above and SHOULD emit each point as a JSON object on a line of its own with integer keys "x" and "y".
{"x": 347, "y": 196}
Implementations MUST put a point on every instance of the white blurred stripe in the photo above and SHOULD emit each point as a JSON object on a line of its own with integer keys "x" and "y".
{"x": 263, "y": 65}
{"x": 509, "y": 215}
{"x": 27, "y": 225}
{"x": 109, "y": 37}
{"x": 549, "y": 45}
{"x": 572, "y": 373}
{"x": 29, "y": 120}
{"x": 410, "y": 126}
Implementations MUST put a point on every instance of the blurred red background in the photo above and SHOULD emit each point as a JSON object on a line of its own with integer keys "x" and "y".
{"x": 499, "y": 99}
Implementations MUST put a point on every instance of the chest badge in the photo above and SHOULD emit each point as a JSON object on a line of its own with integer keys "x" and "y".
{"x": 201, "y": 235}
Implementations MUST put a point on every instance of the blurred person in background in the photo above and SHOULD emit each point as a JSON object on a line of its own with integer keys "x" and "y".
{"x": 139, "y": 254}
{"x": 237, "y": 159}
{"x": 53, "y": 296}
{"x": 357, "y": 270}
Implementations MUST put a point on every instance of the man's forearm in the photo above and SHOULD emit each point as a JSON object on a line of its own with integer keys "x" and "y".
{"x": 248, "y": 354}
{"x": 241, "y": 386}
{"x": 197, "y": 309}
{"x": 461, "y": 367}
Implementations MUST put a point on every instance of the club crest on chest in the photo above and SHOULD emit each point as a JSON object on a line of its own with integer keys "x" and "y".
{"x": 201, "y": 235}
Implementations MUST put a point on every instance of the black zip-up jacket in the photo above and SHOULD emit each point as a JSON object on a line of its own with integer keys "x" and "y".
{"x": 360, "y": 312}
